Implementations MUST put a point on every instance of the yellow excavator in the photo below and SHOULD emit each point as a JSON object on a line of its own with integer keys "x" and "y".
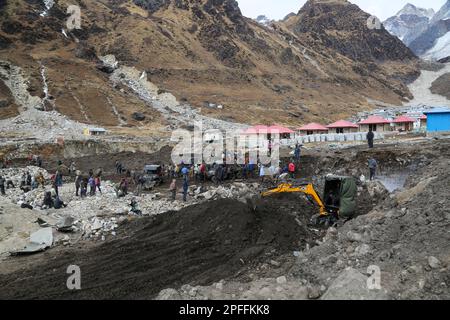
{"x": 307, "y": 189}
{"x": 339, "y": 197}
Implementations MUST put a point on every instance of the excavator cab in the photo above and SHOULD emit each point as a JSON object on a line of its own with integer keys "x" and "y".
{"x": 339, "y": 196}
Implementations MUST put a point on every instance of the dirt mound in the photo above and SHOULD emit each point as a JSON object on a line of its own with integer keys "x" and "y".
{"x": 199, "y": 244}
{"x": 406, "y": 236}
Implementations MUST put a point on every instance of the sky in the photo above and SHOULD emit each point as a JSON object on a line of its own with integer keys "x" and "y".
{"x": 383, "y": 9}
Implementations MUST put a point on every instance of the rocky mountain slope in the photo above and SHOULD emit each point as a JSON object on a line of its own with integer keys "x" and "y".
{"x": 322, "y": 64}
{"x": 409, "y": 22}
{"x": 425, "y": 32}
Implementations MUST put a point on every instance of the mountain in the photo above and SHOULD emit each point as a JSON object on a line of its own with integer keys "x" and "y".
{"x": 409, "y": 22}
{"x": 410, "y": 9}
{"x": 427, "y": 35}
{"x": 442, "y": 14}
{"x": 342, "y": 26}
{"x": 434, "y": 42}
{"x": 321, "y": 64}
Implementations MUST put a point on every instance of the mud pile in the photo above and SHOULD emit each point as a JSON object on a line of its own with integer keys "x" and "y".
{"x": 198, "y": 244}
{"x": 406, "y": 237}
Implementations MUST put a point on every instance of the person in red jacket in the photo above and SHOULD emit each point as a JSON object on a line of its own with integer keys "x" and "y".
{"x": 203, "y": 171}
{"x": 291, "y": 169}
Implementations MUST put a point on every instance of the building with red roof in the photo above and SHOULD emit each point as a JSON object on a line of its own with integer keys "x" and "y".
{"x": 343, "y": 126}
{"x": 374, "y": 123}
{"x": 404, "y": 123}
{"x": 313, "y": 128}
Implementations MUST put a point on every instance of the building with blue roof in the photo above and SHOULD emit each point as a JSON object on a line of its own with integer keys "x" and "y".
{"x": 438, "y": 120}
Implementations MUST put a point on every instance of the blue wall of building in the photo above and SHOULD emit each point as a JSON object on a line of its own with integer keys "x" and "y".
{"x": 438, "y": 121}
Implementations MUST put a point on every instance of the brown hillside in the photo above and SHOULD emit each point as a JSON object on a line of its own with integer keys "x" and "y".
{"x": 317, "y": 68}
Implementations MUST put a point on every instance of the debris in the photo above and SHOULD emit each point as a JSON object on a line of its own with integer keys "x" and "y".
{"x": 433, "y": 262}
{"x": 65, "y": 224}
{"x": 352, "y": 285}
{"x": 39, "y": 241}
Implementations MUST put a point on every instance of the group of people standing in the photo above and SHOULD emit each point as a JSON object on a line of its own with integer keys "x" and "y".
{"x": 93, "y": 181}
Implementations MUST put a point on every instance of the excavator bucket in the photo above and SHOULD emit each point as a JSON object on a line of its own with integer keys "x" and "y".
{"x": 253, "y": 202}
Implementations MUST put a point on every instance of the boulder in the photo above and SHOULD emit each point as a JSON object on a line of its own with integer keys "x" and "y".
{"x": 434, "y": 263}
{"x": 352, "y": 285}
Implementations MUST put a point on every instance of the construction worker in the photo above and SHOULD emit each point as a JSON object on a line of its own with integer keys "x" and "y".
{"x": 118, "y": 167}
{"x": 92, "y": 187}
{"x": 173, "y": 188}
{"x": 40, "y": 179}
{"x": 185, "y": 172}
{"x": 98, "y": 183}
{"x": 370, "y": 137}
{"x": 140, "y": 184}
{"x": 47, "y": 203}
{"x": 135, "y": 207}
{"x": 372, "y": 168}
{"x": 297, "y": 152}
{"x": 83, "y": 189}
{"x": 291, "y": 168}
{"x": 72, "y": 168}
{"x": 185, "y": 188}
{"x": 2, "y": 185}
{"x": 262, "y": 173}
{"x": 78, "y": 181}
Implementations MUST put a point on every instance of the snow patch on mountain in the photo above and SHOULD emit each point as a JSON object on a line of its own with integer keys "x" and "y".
{"x": 442, "y": 14}
{"x": 440, "y": 50}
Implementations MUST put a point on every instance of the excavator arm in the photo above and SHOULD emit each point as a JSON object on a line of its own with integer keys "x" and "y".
{"x": 307, "y": 189}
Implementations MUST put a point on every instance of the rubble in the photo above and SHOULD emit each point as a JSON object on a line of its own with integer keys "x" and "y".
{"x": 352, "y": 285}
{"x": 39, "y": 241}
{"x": 166, "y": 103}
{"x": 261, "y": 289}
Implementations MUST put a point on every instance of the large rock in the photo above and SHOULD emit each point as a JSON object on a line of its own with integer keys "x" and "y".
{"x": 108, "y": 63}
{"x": 352, "y": 285}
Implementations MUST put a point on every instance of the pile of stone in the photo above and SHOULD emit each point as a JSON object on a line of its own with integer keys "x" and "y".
{"x": 280, "y": 288}
{"x": 98, "y": 228}
{"x": 235, "y": 190}
{"x": 177, "y": 114}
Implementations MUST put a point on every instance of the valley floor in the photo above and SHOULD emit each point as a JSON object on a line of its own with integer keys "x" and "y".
{"x": 223, "y": 248}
